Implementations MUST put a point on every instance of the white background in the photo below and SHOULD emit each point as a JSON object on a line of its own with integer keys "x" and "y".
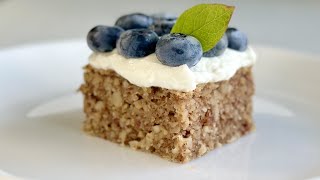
{"x": 290, "y": 24}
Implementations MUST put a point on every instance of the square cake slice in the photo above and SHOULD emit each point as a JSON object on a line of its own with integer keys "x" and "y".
{"x": 176, "y": 125}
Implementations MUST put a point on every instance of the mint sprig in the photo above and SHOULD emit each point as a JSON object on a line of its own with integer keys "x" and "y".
{"x": 206, "y": 22}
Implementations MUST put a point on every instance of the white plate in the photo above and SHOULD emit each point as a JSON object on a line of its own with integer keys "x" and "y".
{"x": 41, "y": 137}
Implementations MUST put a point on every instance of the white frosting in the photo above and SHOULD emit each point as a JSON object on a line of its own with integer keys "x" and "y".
{"x": 148, "y": 71}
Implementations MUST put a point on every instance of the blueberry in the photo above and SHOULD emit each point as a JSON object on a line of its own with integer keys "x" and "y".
{"x": 162, "y": 27}
{"x": 134, "y": 21}
{"x": 237, "y": 40}
{"x": 103, "y": 38}
{"x": 218, "y": 49}
{"x": 164, "y": 16}
{"x": 137, "y": 43}
{"x": 178, "y": 49}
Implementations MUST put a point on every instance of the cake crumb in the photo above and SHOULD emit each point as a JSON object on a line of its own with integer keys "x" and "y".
{"x": 178, "y": 126}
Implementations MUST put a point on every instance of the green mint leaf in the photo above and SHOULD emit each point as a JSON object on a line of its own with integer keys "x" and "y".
{"x": 206, "y": 22}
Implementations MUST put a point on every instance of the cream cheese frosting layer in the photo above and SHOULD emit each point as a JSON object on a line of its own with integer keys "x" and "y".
{"x": 148, "y": 71}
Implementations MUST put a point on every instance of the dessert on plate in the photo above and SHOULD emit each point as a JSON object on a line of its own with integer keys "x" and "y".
{"x": 175, "y": 87}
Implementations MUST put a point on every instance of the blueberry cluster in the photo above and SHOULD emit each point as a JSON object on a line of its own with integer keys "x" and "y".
{"x": 138, "y": 35}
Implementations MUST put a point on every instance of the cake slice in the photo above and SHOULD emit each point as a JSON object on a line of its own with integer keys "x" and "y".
{"x": 178, "y": 126}
{"x": 146, "y": 101}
